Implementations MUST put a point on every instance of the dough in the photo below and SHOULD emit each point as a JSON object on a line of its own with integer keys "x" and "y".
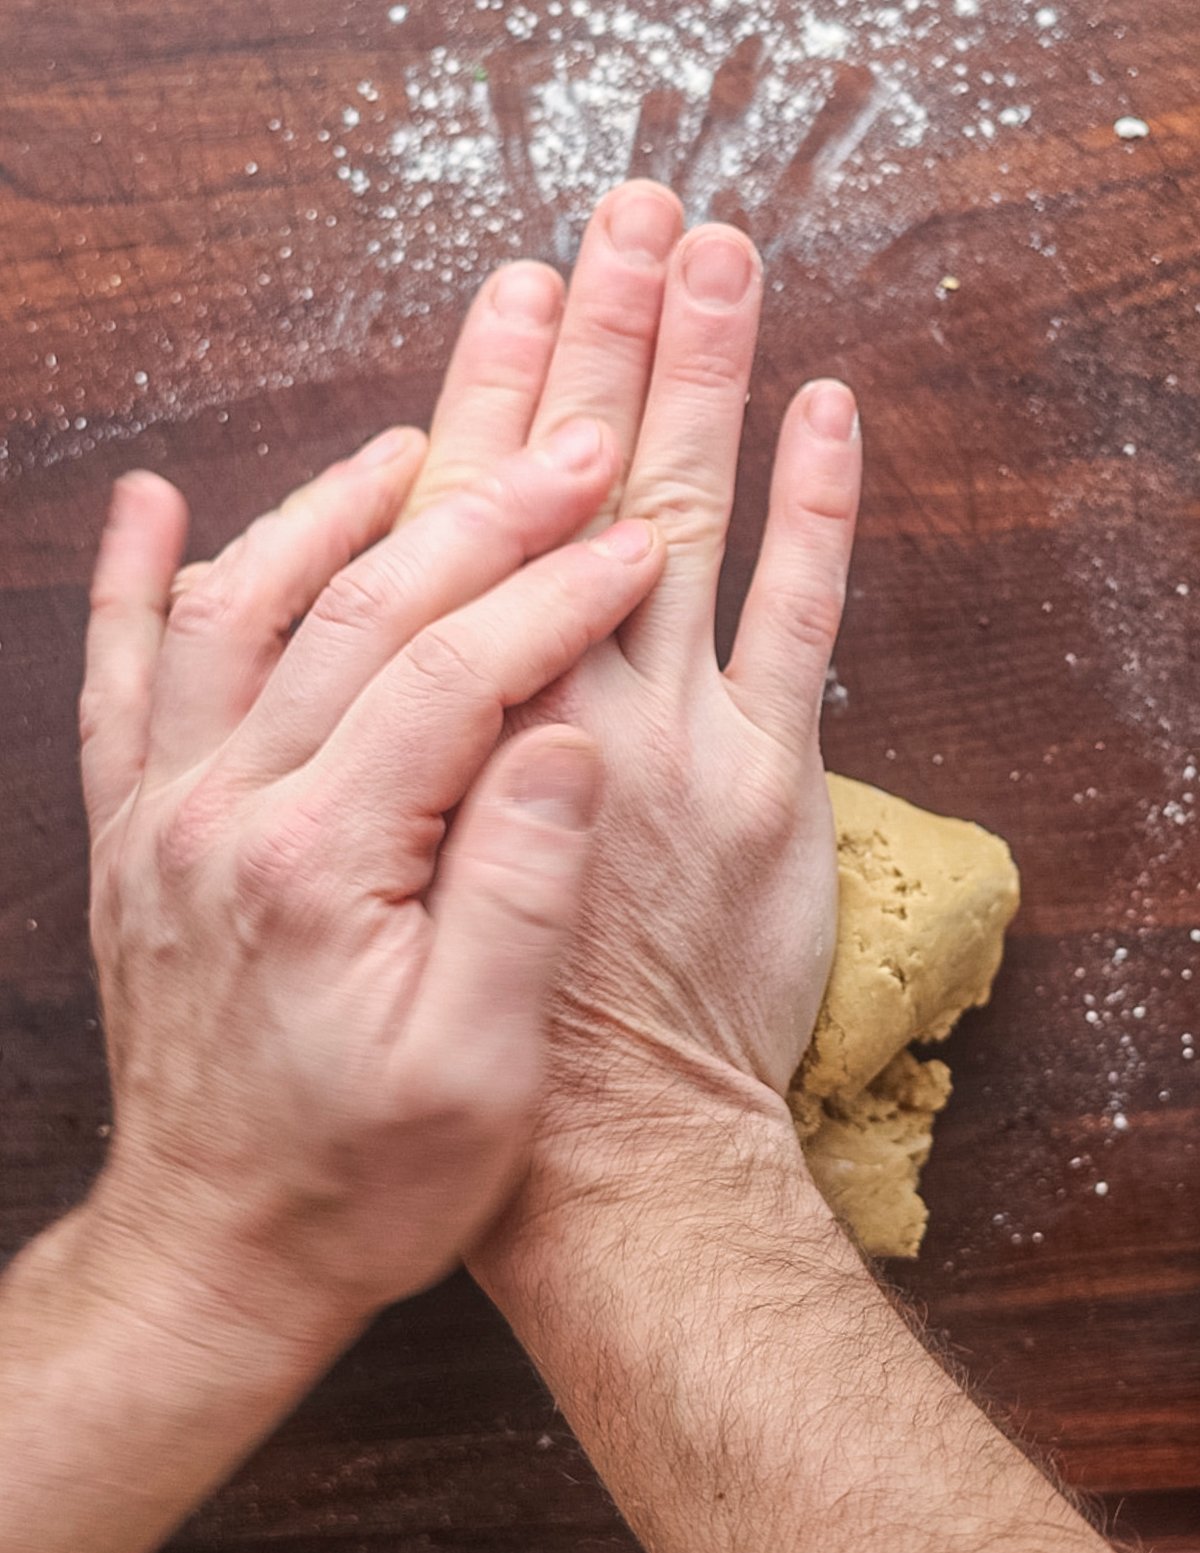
{"x": 924, "y": 903}
{"x": 866, "y": 1157}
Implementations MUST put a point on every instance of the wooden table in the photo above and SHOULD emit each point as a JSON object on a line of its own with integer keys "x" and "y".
{"x": 237, "y": 238}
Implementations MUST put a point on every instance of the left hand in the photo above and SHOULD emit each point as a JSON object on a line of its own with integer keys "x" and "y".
{"x": 324, "y": 1038}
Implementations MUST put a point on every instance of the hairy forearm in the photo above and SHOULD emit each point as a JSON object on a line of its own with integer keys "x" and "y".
{"x": 130, "y": 1387}
{"x": 735, "y": 1373}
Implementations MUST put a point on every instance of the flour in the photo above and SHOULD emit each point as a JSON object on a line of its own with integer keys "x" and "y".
{"x": 1129, "y": 128}
{"x": 523, "y": 146}
{"x": 836, "y": 697}
{"x": 821, "y": 125}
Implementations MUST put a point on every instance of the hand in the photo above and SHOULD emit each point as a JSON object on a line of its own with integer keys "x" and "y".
{"x": 708, "y": 920}
{"x": 716, "y": 1343}
{"x": 324, "y": 1043}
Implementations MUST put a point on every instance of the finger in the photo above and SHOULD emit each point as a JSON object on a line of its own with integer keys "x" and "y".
{"x": 493, "y": 382}
{"x": 794, "y": 606}
{"x": 509, "y": 885}
{"x": 226, "y": 632}
{"x": 139, "y": 551}
{"x": 685, "y": 467}
{"x": 605, "y": 350}
{"x": 427, "y": 723}
{"x": 428, "y": 567}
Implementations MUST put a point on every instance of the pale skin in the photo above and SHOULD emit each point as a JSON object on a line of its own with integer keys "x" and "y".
{"x": 295, "y": 1034}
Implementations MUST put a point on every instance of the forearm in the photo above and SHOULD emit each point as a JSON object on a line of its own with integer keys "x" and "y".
{"x": 129, "y": 1388}
{"x": 737, "y": 1376}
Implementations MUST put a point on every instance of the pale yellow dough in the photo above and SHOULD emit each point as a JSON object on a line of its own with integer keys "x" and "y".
{"x": 924, "y": 904}
{"x": 867, "y": 1157}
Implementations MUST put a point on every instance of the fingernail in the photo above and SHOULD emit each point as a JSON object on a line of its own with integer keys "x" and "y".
{"x": 574, "y": 446}
{"x": 559, "y": 785}
{"x": 718, "y": 270}
{"x": 643, "y": 227}
{"x": 830, "y": 410}
{"x": 628, "y": 540}
{"x": 527, "y": 294}
{"x": 382, "y": 449}
{"x": 138, "y": 479}
{"x": 135, "y": 491}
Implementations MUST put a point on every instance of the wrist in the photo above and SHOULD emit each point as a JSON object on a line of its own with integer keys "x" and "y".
{"x": 131, "y": 1385}
{"x": 188, "y": 1277}
{"x": 648, "y": 1193}
{"x": 619, "y": 1101}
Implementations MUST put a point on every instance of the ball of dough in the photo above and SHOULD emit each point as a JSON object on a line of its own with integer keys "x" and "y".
{"x": 924, "y": 904}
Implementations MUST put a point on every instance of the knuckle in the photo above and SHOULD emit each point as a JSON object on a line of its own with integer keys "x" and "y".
{"x": 771, "y": 818}
{"x": 602, "y": 319}
{"x": 275, "y": 867}
{"x": 473, "y": 500}
{"x": 187, "y": 577}
{"x": 440, "y": 660}
{"x": 763, "y": 810}
{"x": 829, "y": 496}
{"x": 418, "y": 838}
{"x": 238, "y": 593}
{"x": 104, "y": 597}
{"x": 528, "y": 899}
{"x": 361, "y": 595}
{"x": 491, "y": 503}
{"x": 502, "y": 378}
{"x": 188, "y": 835}
{"x": 807, "y": 616}
{"x": 479, "y": 505}
{"x": 707, "y": 371}
{"x": 567, "y": 641}
{"x": 569, "y": 601}
{"x": 690, "y": 516}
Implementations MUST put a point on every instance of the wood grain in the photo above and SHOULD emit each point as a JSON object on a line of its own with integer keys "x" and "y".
{"x": 188, "y": 283}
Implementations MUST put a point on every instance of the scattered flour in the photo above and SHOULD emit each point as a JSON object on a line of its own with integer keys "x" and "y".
{"x": 556, "y": 123}
{"x": 836, "y": 697}
{"x": 822, "y": 124}
{"x": 1129, "y": 128}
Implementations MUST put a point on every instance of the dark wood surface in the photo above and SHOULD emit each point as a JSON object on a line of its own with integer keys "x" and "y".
{"x": 237, "y": 238}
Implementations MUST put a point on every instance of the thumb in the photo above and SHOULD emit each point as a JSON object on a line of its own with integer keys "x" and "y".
{"x": 507, "y": 893}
